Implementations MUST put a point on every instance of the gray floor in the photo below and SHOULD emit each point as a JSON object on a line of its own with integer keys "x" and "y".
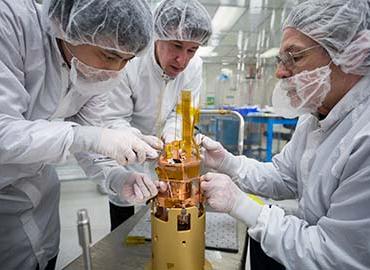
{"x": 75, "y": 195}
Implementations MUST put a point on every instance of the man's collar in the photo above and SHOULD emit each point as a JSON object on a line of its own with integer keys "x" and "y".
{"x": 352, "y": 99}
{"x": 157, "y": 68}
{"x": 57, "y": 46}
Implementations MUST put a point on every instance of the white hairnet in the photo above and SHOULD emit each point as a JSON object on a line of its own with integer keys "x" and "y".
{"x": 185, "y": 20}
{"x": 121, "y": 25}
{"x": 340, "y": 26}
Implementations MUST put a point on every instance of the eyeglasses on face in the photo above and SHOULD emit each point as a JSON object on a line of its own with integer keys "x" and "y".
{"x": 289, "y": 59}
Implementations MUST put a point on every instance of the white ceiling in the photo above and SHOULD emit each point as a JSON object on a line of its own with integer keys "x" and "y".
{"x": 258, "y": 26}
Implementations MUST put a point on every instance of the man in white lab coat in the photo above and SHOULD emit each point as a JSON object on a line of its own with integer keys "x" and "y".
{"x": 150, "y": 89}
{"x": 324, "y": 72}
{"x": 56, "y": 61}
{"x": 324, "y": 77}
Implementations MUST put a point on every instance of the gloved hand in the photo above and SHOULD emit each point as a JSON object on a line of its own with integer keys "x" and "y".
{"x": 212, "y": 152}
{"x": 220, "y": 191}
{"x": 138, "y": 188}
{"x": 154, "y": 142}
{"x": 171, "y": 136}
{"x": 223, "y": 195}
{"x": 122, "y": 145}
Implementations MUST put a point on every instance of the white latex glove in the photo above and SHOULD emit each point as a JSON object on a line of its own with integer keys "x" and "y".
{"x": 138, "y": 188}
{"x": 220, "y": 191}
{"x": 170, "y": 137}
{"x": 122, "y": 145}
{"x": 154, "y": 142}
{"x": 213, "y": 154}
{"x": 224, "y": 195}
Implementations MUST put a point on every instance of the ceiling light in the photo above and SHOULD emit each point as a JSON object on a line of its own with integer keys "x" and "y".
{"x": 226, "y": 17}
{"x": 270, "y": 53}
{"x": 272, "y": 20}
{"x": 240, "y": 40}
{"x": 206, "y": 52}
{"x": 258, "y": 42}
{"x": 263, "y": 38}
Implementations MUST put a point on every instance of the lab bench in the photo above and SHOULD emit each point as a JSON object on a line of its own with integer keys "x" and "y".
{"x": 111, "y": 252}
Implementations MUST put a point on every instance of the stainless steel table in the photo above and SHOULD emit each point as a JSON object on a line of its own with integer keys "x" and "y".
{"x": 111, "y": 254}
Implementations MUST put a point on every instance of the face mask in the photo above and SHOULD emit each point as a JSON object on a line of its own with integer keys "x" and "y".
{"x": 92, "y": 81}
{"x": 303, "y": 93}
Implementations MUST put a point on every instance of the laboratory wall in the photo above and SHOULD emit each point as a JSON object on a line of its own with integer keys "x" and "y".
{"x": 229, "y": 85}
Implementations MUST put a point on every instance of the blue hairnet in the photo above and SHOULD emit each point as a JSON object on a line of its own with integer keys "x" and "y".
{"x": 185, "y": 20}
{"x": 121, "y": 25}
{"x": 340, "y": 26}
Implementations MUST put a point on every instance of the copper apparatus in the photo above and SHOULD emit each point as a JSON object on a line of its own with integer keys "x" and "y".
{"x": 178, "y": 215}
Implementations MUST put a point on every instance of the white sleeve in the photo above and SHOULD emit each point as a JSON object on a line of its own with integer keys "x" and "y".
{"x": 111, "y": 110}
{"x": 120, "y": 105}
{"x": 276, "y": 179}
{"x": 340, "y": 238}
{"x": 113, "y": 173}
{"x": 22, "y": 141}
{"x": 91, "y": 113}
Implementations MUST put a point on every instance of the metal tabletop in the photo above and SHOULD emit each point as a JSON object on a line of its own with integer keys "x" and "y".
{"x": 111, "y": 253}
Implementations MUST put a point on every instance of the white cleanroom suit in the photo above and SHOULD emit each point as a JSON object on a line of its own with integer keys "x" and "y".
{"x": 326, "y": 165}
{"x": 35, "y": 91}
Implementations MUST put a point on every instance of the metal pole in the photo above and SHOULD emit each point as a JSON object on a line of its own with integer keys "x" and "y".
{"x": 241, "y": 124}
{"x": 84, "y": 236}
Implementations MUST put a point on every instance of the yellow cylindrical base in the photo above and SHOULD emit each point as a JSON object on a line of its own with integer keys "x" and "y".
{"x": 174, "y": 249}
{"x": 207, "y": 266}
